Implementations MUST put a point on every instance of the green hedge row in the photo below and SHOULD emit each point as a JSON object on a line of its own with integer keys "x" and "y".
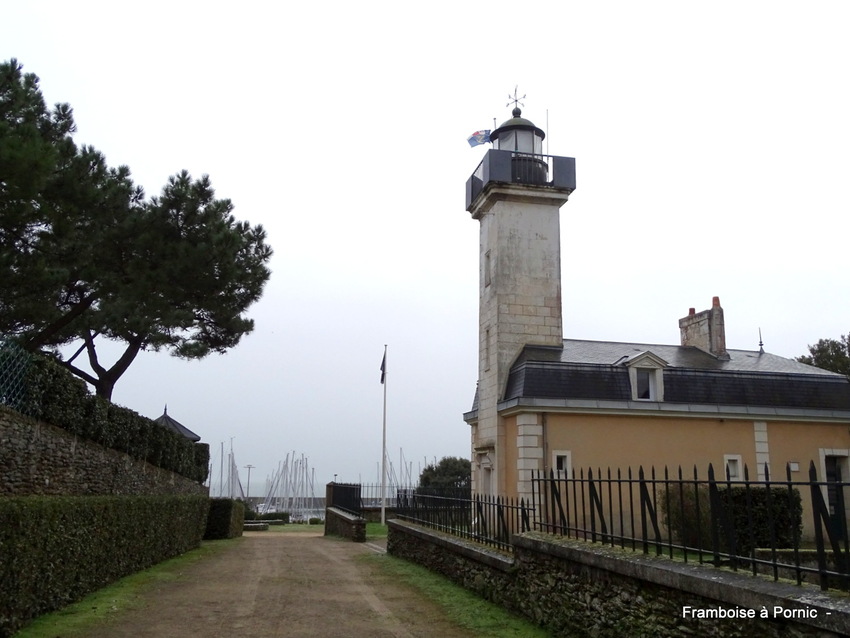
{"x": 55, "y": 396}
{"x": 746, "y": 511}
{"x": 55, "y": 550}
{"x": 269, "y": 516}
{"x": 225, "y": 519}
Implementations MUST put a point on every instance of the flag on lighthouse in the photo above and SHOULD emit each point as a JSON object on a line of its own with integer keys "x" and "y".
{"x": 479, "y": 137}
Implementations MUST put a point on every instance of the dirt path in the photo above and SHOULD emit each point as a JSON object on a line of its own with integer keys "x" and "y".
{"x": 277, "y": 584}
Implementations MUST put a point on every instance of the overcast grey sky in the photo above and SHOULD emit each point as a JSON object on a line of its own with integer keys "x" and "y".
{"x": 711, "y": 148}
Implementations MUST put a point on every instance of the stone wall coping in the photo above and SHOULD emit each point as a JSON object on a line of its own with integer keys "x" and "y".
{"x": 467, "y": 548}
{"x": 731, "y": 588}
{"x": 346, "y": 515}
{"x": 339, "y": 522}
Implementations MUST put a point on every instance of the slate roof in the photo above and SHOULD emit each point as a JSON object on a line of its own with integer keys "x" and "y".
{"x": 595, "y": 370}
{"x": 176, "y": 426}
{"x": 614, "y": 352}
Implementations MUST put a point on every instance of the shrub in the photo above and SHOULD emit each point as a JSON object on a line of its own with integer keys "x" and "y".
{"x": 225, "y": 519}
{"x": 58, "y": 549}
{"x": 688, "y": 516}
{"x": 686, "y": 511}
{"x": 274, "y": 516}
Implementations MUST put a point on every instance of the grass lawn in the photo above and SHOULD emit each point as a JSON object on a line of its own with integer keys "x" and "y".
{"x": 375, "y": 531}
{"x": 121, "y": 595}
{"x": 461, "y": 606}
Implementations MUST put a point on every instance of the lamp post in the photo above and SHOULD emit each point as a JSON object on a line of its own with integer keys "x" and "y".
{"x": 249, "y": 467}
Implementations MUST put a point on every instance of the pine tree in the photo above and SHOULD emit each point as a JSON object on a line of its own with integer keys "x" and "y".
{"x": 830, "y": 354}
{"x": 83, "y": 254}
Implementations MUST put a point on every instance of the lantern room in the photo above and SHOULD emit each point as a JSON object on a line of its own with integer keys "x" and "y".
{"x": 518, "y": 135}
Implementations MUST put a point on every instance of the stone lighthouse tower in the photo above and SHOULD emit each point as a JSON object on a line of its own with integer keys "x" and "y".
{"x": 515, "y": 194}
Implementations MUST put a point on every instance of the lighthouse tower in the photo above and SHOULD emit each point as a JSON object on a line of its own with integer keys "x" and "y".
{"x": 515, "y": 194}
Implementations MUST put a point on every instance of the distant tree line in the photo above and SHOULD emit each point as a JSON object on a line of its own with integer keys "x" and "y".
{"x": 830, "y": 354}
{"x": 451, "y": 471}
{"x": 84, "y": 255}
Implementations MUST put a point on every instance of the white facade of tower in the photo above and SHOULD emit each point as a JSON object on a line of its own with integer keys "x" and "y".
{"x": 520, "y": 304}
{"x": 515, "y": 194}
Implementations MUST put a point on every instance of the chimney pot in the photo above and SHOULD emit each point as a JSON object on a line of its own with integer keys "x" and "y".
{"x": 692, "y": 311}
{"x": 715, "y": 302}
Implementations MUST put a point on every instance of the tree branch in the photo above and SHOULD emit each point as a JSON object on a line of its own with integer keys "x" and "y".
{"x": 42, "y": 337}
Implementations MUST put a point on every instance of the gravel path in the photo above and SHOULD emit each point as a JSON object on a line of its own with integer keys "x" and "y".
{"x": 283, "y": 584}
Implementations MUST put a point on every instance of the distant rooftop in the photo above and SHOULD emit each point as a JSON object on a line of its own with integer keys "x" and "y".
{"x": 176, "y": 426}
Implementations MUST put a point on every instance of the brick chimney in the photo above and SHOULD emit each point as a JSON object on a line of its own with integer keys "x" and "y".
{"x": 705, "y": 330}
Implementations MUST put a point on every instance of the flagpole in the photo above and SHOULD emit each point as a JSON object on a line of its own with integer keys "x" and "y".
{"x": 384, "y": 446}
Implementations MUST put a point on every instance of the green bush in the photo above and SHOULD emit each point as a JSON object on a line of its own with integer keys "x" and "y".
{"x": 269, "y": 516}
{"x": 686, "y": 511}
{"x": 57, "y": 397}
{"x": 692, "y": 526}
{"x": 56, "y": 550}
{"x": 225, "y": 519}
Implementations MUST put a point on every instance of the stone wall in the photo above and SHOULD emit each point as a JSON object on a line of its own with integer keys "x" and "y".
{"x": 41, "y": 459}
{"x": 578, "y": 589}
{"x": 341, "y": 523}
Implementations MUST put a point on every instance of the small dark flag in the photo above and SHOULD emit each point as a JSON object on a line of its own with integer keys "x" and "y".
{"x": 383, "y": 368}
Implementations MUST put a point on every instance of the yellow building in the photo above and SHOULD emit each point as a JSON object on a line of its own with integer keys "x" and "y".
{"x": 548, "y": 403}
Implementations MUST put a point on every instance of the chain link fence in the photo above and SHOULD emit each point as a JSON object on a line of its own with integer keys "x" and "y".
{"x": 14, "y": 363}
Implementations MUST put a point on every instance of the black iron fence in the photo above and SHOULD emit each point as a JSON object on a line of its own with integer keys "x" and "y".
{"x": 345, "y": 496}
{"x": 490, "y": 520}
{"x": 374, "y": 494}
{"x": 786, "y": 528}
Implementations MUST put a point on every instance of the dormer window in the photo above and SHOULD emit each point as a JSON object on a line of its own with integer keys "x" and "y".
{"x": 646, "y": 384}
{"x": 646, "y": 375}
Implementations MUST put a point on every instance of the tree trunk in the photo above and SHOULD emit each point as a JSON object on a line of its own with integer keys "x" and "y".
{"x": 104, "y": 382}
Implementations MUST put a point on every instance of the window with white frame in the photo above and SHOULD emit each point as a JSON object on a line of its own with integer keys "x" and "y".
{"x": 646, "y": 372}
{"x": 733, "y": 467}
{"x": 562, "y": 463}
{"x": 646, "y": 384}
{"x": 835, "y": 469}
{"x": 484, "y": 464}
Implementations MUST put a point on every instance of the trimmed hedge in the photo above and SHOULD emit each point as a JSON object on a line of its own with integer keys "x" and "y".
{"x": 268, "y": 516}
{"x": 692, "y": 524}
{"x": 57, "y": 397}
{"x": 56, "y": 550}
{"x": 225, "y": 519}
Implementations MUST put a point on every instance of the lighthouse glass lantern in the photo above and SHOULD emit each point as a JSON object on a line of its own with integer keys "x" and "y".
{"x": 517, "y": 158}
{"x": 519, "y": 136}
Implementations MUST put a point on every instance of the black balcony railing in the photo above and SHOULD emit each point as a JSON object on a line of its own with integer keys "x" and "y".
{"x": 508, "y": 167}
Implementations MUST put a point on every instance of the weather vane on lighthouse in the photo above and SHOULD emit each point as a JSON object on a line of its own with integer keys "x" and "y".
{"x": 515, "y": 99}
